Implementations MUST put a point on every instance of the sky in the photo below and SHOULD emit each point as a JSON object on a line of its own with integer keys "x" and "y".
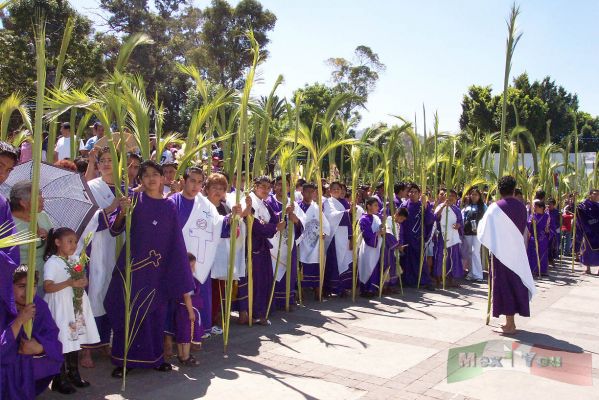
{"x": 433, "y": 50}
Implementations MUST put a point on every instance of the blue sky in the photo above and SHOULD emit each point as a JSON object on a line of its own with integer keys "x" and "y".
{"x": 433, "y": 49}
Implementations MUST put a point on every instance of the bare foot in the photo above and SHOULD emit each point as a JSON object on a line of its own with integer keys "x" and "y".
{"x": 86, "y": 359}
{"x": 505, "y": 330}
{"x": 243, "y": 318}
{"x": 262, "y": 321}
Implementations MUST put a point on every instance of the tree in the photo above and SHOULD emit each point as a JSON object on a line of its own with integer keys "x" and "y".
{"x": 358, "y": 76}
{"x": 538, "y": 104}
{"x": 315, "y": 101}
{"x": 223, "y": 52}
{"x": 84, "y": 58}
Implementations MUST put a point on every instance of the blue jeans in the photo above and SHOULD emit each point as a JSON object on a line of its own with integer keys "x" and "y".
{"x": 566, "y": 243}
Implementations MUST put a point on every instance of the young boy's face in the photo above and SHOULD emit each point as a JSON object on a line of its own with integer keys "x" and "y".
{"x": 551, "y": 206}
{"x": 19, "y": 288}
{"x": 372, "y": 208}
{"x": 539, "y": 210}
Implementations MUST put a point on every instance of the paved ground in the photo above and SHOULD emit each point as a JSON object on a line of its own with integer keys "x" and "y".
{"x": 390, "y": 348}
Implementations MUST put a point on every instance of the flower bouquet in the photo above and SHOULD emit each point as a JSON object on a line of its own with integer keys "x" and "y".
{"x": 77, "y": 271}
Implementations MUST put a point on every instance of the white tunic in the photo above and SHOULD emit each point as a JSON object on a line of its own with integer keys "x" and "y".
{"x": 75, "y": 330}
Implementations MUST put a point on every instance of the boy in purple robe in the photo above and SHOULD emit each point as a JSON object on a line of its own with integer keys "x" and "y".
{"x": 501, "y": 230}
{"x": 538, "y": 248}
{"x": 587, "y": 220}
{"x": 413, "y": 228}
{"x": 160, "y": 272}
{"x": 453, "y": 259}
{"x": 9, "y": 156}
{"x": 400, "y": 191}
{"x": 394, "y": 248}
{"x": 372, "y": 232}
{"x": 26, "y": 366}
{"x": 554, "y": 229}
{"x": 188, "y": 322}
{"x": 265, "y": 226}
{"x": 310, "y": 271}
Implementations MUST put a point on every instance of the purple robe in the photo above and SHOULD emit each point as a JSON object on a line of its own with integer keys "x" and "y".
{"x": 587, "y": 225}
{"x": 333, "y": 282}
{"x": 370, "y": 239}
{"x": 453, "y": 261}
{"x": 185, "y": 331}
{"x": 542, "y": 222}
{"x": 261, "y": 267}
{"x": 23, "y": 377}
{"x": 160, "y": 269}
{"x": 510, "y": 296}
{"x": 413, "y": 230}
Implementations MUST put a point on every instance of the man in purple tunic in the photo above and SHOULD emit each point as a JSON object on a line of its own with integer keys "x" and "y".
{"x": 265, "y": 226}
{"x": 412, "y": 228}
{"x": 587, "y": 220}
{"x": 26, "y": 366}
{"x": 160, "y": 272}
{"x": 555, "y": 229}
{"x": 501, "y": 230}
{"x": 450, "y": 224}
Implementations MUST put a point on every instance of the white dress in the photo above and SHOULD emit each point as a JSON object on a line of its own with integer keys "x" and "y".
{"x": 75, "y": 330}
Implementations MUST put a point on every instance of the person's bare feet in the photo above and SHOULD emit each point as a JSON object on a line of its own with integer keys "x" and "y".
{"x": 243, "y": 318}
{"x": 86, "y": 359}
{"x": 505, "y": 330}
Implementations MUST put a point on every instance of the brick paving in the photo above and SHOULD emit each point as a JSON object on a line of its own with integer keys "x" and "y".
{"x": 390, "y": 348}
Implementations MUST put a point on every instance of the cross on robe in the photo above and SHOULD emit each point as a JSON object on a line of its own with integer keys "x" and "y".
{"x": 205, "y": 234}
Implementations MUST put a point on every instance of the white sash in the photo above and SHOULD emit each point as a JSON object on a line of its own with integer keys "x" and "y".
{"x": 220, "y": 268}
{"x": 499, "y": 234}
{"x": 103, "y": 255}
{"x": 446, "y": 222}
{"x": 368, "y": 257}
{"x": 334, "y": 211}
{"x": 202, "y": 235}
{"x": 309, "y": 248}
{"x": 282, "y": 254}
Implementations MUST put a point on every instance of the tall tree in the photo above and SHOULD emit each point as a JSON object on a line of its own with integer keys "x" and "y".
{"x": 223, "y": 52}
{"x": 357, "y": 76}
{"x": 84, "y": 61}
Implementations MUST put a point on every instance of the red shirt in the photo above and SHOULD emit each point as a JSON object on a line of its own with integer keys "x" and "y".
{"x": 567, "y": 222}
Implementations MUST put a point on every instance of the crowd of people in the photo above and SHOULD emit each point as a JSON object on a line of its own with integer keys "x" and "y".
{"x": 180, "y": 243}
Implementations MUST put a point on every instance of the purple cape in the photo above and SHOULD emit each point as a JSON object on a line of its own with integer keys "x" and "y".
{"x": 160, "y": 272}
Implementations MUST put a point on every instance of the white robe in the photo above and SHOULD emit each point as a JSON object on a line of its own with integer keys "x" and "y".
{"x": 220, "y": 268}
{"x": 447, "y": 220}
{"x": 202, "y": 235}
{"x": 368, "y": 257}
{"x": 308, "y": 242}
{"x": 334, "y": 211}
{"x": 103, "y": 255}
{"x": 279, "y": 246}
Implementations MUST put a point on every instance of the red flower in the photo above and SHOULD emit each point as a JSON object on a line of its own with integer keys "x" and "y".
{"x": 78, "y": 268}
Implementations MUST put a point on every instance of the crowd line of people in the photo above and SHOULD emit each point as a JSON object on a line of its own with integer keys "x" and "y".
{"x": 180, "y": 243}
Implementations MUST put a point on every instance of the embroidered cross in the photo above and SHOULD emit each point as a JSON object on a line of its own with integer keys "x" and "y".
{"x": 204, "y": 234}
{"x": 153, "y": 259}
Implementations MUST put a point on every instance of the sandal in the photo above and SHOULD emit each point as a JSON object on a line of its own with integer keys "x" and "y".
{"x": 164, "y": 367}
{"x": 190, "y": 362}
{"x": 118, "y": 372}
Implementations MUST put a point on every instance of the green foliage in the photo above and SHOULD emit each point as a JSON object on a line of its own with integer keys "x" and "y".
{"x": 84, "y": 61}
{"x": 533, "y": 106}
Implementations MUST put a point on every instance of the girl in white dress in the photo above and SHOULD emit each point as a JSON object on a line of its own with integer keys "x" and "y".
{"x": 75, "y": 328}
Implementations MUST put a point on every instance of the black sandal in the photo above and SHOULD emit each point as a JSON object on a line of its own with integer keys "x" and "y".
{"x": 118, "y": 372}
{"x": 190, "y": 362}
{"x": 164, "y": 367}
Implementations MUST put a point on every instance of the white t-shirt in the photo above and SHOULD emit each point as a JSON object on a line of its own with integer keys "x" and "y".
{"x": 63, "y": 147}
